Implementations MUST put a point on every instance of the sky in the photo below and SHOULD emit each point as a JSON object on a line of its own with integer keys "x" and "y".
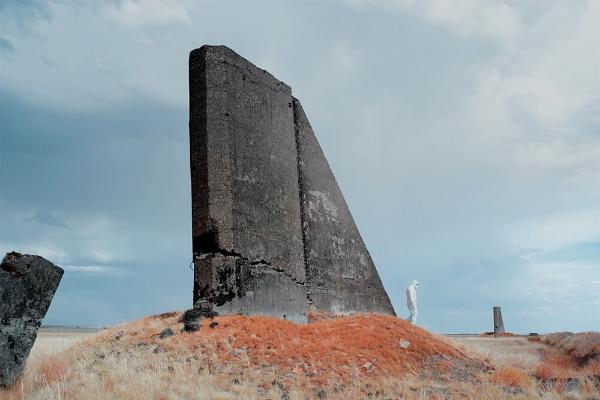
{"x": 465, "y": 136}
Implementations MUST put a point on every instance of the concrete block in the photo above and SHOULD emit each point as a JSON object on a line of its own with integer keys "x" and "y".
{"x": 27, "y": 286}
{"x": 246, "y": 213}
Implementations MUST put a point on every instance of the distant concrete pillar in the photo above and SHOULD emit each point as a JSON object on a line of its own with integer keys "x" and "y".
{"x": 498, "y": 323}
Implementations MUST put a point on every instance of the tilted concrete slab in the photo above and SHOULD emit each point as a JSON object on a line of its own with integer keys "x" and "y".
{"x": 341, "y": 276}
{"x": 27, "y": 286}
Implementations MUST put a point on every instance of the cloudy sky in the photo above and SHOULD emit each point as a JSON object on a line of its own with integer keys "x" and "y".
{"x": 464, "y": 134}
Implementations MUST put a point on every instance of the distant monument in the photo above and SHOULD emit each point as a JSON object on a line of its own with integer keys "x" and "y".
{"x": 27, "y": 285}
{"x": 272, "y": 233}
{"x": 498, "y": 323}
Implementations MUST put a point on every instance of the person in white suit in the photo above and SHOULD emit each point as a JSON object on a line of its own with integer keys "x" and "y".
{"x": 411, "y": 301}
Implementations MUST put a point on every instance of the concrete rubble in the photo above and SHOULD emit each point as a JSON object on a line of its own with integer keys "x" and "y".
{"x": 27, "y": 286}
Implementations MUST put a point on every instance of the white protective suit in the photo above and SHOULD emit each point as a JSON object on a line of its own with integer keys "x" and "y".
{"x": 411, "y": 301}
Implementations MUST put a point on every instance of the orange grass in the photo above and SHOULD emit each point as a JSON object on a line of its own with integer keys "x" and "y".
{"x": 52, "y": 368}
{"x": 584, "y": 348}
{"x": 358, "y": 356}
{"x": 339, "y": 349}
{"x": 510, "y": 376}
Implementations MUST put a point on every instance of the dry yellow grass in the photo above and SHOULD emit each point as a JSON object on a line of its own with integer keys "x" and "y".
{"x": 504, "y": 351}
{"x": 131, "y": 362}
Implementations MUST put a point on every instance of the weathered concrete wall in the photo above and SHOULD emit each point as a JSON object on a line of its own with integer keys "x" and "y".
{"x": 27, "y": 285}
{"x": 247, "y": 236}
{"x": 341, "y": 275}
{"x": 272, "y": 233}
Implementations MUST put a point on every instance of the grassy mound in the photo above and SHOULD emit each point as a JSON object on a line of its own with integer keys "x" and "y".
{"x": 244, "y": 357}
{"x": 329, "y": 351}
{"x": 355, "y": 357}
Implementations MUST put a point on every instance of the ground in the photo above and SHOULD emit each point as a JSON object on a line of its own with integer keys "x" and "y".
{"x": 365, "y": 356}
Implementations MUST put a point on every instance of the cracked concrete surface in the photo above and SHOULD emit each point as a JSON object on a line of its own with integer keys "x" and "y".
{"x": 269, "y": 221}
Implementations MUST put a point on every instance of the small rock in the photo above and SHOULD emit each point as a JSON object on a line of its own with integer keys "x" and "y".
{"x": 239, "y": 353}
{"x": 119, "y": 335}
{"x": 515, "y": 391}
{"x": 159, "y": 349}
{"x": 191, "y": 326}
{"x": 192, "y": 317}
{"x": 572, "y": 385}
{"x": 322, "y": 394}
{"x": 235, "y": 381}
{"x": 290, "y": 376}
{"x": 166, "y": 333}
{"x": 404, "y": 344}
{"x": 213, "y": 324}
{"x": 368, "y": 366}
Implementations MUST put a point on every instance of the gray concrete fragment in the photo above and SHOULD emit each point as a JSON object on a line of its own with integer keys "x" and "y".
{"x": 27, "y": 286}
{"x": 247, "y": 238}
{"x": 341, "y": 275}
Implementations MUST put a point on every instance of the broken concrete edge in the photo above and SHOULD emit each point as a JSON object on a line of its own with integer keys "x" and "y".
{"x": 226, "y": 55}
{"x": 9, "y": 264}
{"x": 231, "y": 285}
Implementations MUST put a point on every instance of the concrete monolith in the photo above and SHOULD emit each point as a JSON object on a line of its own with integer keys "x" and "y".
{"x": 271, "y": 231}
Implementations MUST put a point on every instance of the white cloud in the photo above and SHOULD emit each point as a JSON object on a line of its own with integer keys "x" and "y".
{"x": 92, "y": 56}
{"x": 136, "y": 13}
{"x": 93, "y": 238}
{"x": 92, "y": 269}
{"x": 548, "y": 79}
{"x": 557, "y": 287}
{"x": 528, "y": 105}
{"x": 50, "y": 252}
{"x": 555, "y": 231}
{"x": 495, "y": 20}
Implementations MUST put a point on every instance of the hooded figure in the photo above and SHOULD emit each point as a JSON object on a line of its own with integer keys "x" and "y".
{"x": 411, "y": 301}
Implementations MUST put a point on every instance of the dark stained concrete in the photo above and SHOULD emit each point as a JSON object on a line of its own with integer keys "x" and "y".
{"x": 27, "y": 286}
{"x": 247, "y": 238}
{"x": 272, "y": 234}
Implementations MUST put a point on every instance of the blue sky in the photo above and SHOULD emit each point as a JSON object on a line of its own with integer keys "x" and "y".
{"x": 464, "y": 134}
